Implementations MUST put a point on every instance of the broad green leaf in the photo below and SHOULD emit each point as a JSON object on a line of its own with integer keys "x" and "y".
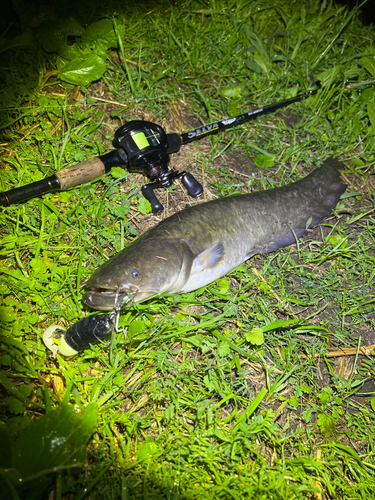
{"x": 119, "y": 380}
{"x": 7, "y": 314}
{"x": 356, "y": 128}
{"x": 82, "y": 71}
{"x": 233, "y": 92}
{"x": 15, "y": 405}
{"x": 255, "y": 336}
{"x": 26, "y": 389}
{"x": 53, "y": 35}
{"x": 126, "y": 205}
{"x": 233, "y": 108}
{"x": 253, "y": 65}
{"x": 326, "y": 424}
{"x": 368, "y": 94}
{"x": 307, "y": 414}
{"x": 116, "y": 210}
{"x": 336, "y": 239}
{"x": 293, "y": 401}
{"x": 147, "y": 450}
{"x": 306, "y": 389}
{"x": 230, "y": 309}
{"x": 9, "y": 241}
{"x": 118, "y": 172}
{"x": 38, "y": 266}
{"x": 264, "y": 161}
{"x": 135, "y": 327}
{"x": 358, "y": 163}
{"x": 100, "y": 36}
{"x": 221, "y": 435}
{"x": 368, "y": 62}
{"x": 25, "y": 41}
{"x": 326, "y": 395}
{"x": 262, "y": 61}
{"x": 223, "y": 285}
{"x": 6, "y": 360}
{"x": 352, "y": 194}
{"x": 9, "y": 301}
{"x": 70, "y": 52}
{"x": 55, "y": 441}
{"x": 223, "y": 349}
{"x": 144, "y": 206}
{"x": 328, "y": 77}
{"x": 292, "y": 92}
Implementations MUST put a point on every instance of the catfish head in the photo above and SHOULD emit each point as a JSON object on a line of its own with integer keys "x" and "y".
{"x": 148, "y": 267}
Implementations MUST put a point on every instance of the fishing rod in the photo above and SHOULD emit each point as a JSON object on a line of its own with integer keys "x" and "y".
{"x": 141, "y": 147}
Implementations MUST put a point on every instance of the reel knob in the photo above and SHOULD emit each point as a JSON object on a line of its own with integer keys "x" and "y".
{"x": 148, "y": 193}
{"x": 192, "y": 186}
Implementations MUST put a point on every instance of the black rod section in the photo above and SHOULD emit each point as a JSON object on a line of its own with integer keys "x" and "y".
{"x": 29, "y": 191}
{"x": 214, "y": 128}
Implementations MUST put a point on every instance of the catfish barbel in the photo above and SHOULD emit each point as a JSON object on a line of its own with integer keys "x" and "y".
{"x": 198, "y": 245}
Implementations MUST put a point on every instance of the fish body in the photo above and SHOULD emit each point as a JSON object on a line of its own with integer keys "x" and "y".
{"x": 198, "y": 245}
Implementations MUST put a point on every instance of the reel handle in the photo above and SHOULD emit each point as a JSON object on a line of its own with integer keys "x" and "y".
{"x": 192, "y": 186}
{"x": 148, "y": 193}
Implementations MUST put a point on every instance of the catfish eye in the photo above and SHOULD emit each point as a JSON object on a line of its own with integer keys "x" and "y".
{"x": 135, "y": 273}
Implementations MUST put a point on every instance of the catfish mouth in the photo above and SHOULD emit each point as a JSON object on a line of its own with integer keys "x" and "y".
{"x": 106, "y": 299}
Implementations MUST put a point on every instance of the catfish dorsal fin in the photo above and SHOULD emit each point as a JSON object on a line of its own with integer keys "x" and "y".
{"x": 209, "y": 258}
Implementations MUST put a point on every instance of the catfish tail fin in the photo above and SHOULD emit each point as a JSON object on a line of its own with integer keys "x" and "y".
{"x": 330, "y": 172}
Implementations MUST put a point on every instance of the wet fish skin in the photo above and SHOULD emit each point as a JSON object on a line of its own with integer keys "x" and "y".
{"x": 198, "y": 245}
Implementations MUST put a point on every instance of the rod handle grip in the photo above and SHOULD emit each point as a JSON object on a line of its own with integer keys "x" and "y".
{"x": 67, "y": 177}
{"x": 85, "y": 171}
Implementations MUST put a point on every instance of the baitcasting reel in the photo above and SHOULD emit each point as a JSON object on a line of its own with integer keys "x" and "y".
{"x": 147, "y": 147}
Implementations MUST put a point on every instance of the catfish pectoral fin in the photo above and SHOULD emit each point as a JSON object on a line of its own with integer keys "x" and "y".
{"x": 209, "y": 258}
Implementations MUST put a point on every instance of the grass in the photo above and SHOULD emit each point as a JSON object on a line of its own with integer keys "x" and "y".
{"x": 255, "y": 386}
